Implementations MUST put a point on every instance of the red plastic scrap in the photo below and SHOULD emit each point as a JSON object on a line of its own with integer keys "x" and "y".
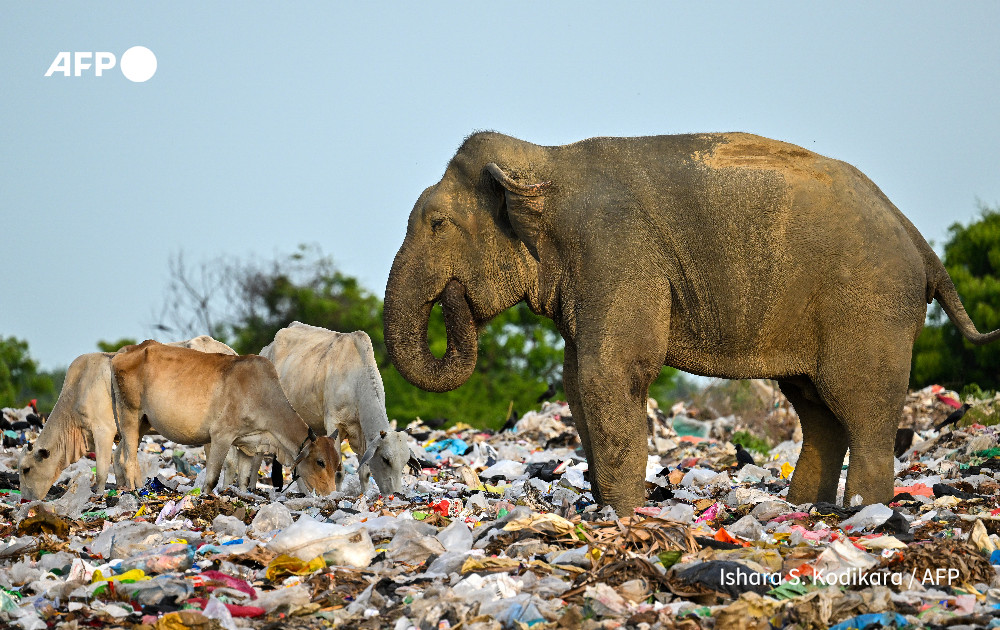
{"x": 441, "y": 507}
{"x": 723, "y": 536}
{"x": 948, "y": 400}
{"x": 234, "y": 609}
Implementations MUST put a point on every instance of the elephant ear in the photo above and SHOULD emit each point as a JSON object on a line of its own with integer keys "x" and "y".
{"x": 525, "y": 207}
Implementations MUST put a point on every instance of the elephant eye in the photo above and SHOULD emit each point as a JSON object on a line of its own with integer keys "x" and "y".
{"x": 24, "y": 471}
{"x": 437, "y": 225}
{"x": 387, "y": 462}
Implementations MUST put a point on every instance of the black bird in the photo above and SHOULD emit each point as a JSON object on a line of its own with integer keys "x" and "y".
{"x": 904, "y": 440}
{"x": 35, "y": 420}
{"x": 954, "y": 417}
{"x": 743, "y": 457}
{"x": 511, "y": 421}
{"x": 435, "y": 423}
{"x": 549, "y": 393}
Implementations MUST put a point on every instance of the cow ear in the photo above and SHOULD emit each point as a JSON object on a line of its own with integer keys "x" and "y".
{"x": 43, "y": 452}
{"x": 524, "y": 205}
{"x": 368, "y": 454}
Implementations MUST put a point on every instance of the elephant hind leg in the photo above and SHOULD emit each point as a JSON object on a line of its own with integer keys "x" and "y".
{"x": 866, "y": 391}
{"x": 824, "y": 444}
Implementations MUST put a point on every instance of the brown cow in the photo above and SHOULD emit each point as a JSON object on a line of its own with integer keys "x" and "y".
{"x": 194, "y": 398}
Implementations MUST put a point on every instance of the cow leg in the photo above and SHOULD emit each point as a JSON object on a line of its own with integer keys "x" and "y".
{"x": 215, "y": 459}
{"x": 104, "y": 444}
{"x": 232, "y": 469}
{"x": 127, "y": 452}
{"x": 249, "y": 469}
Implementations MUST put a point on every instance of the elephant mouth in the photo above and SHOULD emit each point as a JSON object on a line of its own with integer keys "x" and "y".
{"x": 453, "y": 298}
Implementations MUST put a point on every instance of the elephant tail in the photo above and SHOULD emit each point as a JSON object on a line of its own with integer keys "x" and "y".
{"x": 941, "y": 288}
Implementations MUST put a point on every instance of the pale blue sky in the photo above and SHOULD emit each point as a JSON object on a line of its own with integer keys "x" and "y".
{"x": 268, "y": 125}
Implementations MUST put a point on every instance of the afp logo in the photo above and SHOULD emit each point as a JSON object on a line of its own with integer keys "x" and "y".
{"x": 138, "y": 64}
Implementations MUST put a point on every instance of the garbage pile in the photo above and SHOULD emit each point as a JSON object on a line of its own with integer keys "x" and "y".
{"x": 500, "y": 530}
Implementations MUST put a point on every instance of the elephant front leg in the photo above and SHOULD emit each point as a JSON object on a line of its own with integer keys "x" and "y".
{"x": 572, "y": 389}
{"x": 616, "y": 426}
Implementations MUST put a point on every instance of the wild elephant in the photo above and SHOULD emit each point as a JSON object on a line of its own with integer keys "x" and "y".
{"x": 726, "y": 255}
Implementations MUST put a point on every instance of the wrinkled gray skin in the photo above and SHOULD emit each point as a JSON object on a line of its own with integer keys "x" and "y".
{"x": 727, "y": 255}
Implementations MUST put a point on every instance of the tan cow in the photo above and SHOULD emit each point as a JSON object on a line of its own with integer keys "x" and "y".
{"x": 83, "y": 421}
{"x": 194, "y": 398}
{"x": 333, "y": 383}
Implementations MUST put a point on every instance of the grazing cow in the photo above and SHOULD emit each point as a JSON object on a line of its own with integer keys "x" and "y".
{"x": 194, "y": 398}
{"x": 333, "y": 383}
{"x": 81, "y": 421}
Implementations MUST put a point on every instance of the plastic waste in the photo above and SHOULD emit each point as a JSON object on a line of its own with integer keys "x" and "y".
{"x": 409, "y": 545}
{"x": 229, "y": 526}
{"x": 456, "y": 537}
{"x": 869, "y": 517}
{"x": 508, "y": 469}
{"x": 153, "y": 591}
{"x": 308, "y": 538}
{"x": 171, "y": 558}
{"x": 747, "y": 528}
{"x": 216, "y": 610}
{"x": 269, "y": 518}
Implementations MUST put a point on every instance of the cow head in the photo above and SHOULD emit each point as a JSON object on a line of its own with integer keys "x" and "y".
{"x": 319, "y": 464}
{"x": 37, "y": 470}
{"x": 387, "y": 456}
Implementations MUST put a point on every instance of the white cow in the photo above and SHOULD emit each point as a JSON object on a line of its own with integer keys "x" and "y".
{"x": 333, "y": 383}
{"x": 83, "y": 421}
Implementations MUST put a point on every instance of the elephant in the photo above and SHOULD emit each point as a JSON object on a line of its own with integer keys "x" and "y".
{"x": 722, "y": 254}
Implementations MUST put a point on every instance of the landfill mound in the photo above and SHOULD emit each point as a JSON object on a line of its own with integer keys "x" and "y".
{"x": 499, "y": 530}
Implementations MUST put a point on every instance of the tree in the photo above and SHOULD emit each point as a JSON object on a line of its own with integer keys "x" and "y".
{"x": 115, "y": 346}
{"x": 20, "y": 380}
{"x": 520, "y": 354}
{"x": 941, "y": 354}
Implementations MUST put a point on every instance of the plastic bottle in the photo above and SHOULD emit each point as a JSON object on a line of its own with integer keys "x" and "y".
{"x": 170, "y": 558}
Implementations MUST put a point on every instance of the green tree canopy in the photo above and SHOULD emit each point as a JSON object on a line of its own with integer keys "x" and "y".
{"x": 20, "y": 380}
{"x": 115, "y": 346}
{"x": 941, "y": 354}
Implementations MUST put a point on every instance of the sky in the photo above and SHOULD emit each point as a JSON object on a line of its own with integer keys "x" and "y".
{"x": 270, "y": 125}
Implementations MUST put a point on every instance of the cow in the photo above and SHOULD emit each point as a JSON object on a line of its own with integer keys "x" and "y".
{"x": 83, "y": 421}
{"x": 333, "y": 383}
{"x": 198, "y": 398}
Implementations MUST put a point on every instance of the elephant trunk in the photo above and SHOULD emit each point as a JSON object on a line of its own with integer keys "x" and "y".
{"x": 406, "y": 317}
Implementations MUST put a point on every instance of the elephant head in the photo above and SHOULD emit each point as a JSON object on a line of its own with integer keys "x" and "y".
{"x": 471, "y": 244}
